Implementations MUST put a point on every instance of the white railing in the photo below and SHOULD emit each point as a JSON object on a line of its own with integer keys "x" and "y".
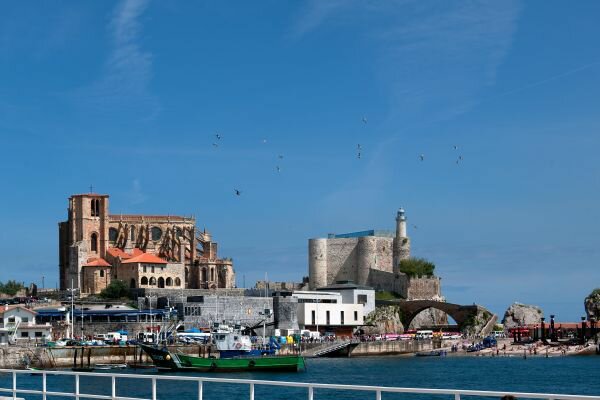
{"x": 375, "y": 391}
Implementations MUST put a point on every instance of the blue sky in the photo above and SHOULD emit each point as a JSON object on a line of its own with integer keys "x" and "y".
{"x": 127, "y": 96}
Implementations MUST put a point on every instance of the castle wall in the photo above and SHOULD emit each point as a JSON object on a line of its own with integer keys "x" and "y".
{"x": 424, "y": 288}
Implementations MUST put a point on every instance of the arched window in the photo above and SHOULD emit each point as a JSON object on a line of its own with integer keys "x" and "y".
{"x": 94, "y": 242}
{"x": 132, "y": 284}
{"x": 133, "y": 233}
{"x": 152, "y": 281}
{"x": 161, "y": 282}
{"x": 212, "y": 274}
{"x": 169, "y": 282}
{"x": 144, "y": 281}
{"x": 177, "y": 282}
{"x": 112, "y": 234}
{"x": 203, "y": 274}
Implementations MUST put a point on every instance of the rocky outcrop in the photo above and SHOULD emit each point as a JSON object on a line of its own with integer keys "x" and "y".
{"x": 383, "y": 320}
{"x": 521, "y": 314}
{"x": 429, "y": 317}
{"x": 592, "y": 304}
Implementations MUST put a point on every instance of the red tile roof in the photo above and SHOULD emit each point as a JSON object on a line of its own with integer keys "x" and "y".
{"x": 116, "y": 252}
{"x": 145, "y": 258}
{"x": 96, "y": 262}
{"x": 8, "y": 308}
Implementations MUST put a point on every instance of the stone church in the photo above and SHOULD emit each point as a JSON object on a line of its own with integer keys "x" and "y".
{"x": 145, "y": 251}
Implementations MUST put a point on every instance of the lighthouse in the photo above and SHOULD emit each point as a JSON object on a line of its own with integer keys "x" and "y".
{"x": 401, "y": 245}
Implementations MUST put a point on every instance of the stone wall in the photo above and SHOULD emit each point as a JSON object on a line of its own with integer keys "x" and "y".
{"x": 391, "y": 347}
{"x": 423, "y": 289}
{"x": 206, "y": 310}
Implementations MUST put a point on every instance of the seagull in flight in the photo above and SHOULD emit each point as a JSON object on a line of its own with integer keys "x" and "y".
{"x": 358, "y": 155}
{"x": 280, "y": 156}
{"x": 237, "y": 192}
{"x": 422, "y": 157}
{"x": 218, "y": 136}
{"x": 416, "y": 227}
{"x": 278, "y": 168}
{"x": 364, "y": 120}
{"x": 455, "y": 147}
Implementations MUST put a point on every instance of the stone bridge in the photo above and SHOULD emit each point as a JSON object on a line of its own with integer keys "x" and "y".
{"x": 461, "y": 314}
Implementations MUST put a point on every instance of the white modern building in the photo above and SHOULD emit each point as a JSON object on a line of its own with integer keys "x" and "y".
{"x": 353, "y": 293}
{"x": 18, "y": 324}
{"x": 327, "y": 312}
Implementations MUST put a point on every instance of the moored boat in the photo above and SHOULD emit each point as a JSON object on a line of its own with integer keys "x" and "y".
{"x": 433, "y": 353}
{"x": 166, "y": 360}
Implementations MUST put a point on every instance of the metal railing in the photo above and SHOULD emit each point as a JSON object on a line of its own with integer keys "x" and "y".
{"x": 375, "y": 391}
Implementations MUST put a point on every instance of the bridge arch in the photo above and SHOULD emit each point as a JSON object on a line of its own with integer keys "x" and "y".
{"x": 461, "y": 314}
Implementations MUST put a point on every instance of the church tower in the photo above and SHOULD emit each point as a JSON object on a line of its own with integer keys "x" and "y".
{"x": 401, "y": 241}
{"x": 83, "y": 237}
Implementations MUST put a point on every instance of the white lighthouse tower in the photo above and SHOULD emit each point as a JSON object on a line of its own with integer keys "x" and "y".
{"x": 401, "y": 240}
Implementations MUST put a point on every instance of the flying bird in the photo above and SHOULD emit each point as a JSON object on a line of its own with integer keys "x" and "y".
{"x": 364, "y": 120}
{"x": 215, "y": 145}
{"x": 280, "y": 156}
{"x": 358, "y": 155}
{"x": 237, "y": 192}
{"x": 278, "y": 168}
{"x": 455, "y": 147}
{"x": 416, "y": 227}
{"x": 218, "y": 136}
{"x": 422, "y": 157}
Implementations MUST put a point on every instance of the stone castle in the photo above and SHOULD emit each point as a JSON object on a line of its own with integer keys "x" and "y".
{"x": 369, "y": 258}
{"x": 145, "y": 251}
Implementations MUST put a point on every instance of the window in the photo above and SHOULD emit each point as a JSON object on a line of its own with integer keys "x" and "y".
{"x": 39, "y": 334}
{"x": 94, "y": 242}
{"x": 169, "y": 282}
{"x": 24, "y": 319}
{"x": 144, "y": 281}
{"x": 161, "y": 282}
{"x": 152, "y": 269}
{"x": 313, "y": 317}
{"x": 101, "y": 273}
{"x": 342, "y": 317}
{"x": 152, "y": 281}
{"x": 11, "y": 320}
{"x": 212, "y": 274}
{"x": 156, "y": 233}
{"x": 327, "y": 319}
{"x": 177, "y": 282}
{"x": 95, "y": 207}
{"x": 112, "y": 234}
{"x": 144, "y": 269}
{"x": 132, "y": 283}
{"x": 203, "y": 274}
{"x": 356, "y": 315}
{"x": 24, "y": 334}
{"x": 133, "y": 233}
{"x": 362, "y": 299}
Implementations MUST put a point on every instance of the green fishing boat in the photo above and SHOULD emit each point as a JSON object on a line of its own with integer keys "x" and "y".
{"x": 166, "y": 360}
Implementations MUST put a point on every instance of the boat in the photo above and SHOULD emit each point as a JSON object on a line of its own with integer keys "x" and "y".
{"x": 432, "y": 353}
{"x": 110, "y": 366}
{"x": 166, "y": 360}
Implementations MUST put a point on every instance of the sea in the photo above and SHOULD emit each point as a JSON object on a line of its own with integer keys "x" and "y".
{"x": 559, "y": 375}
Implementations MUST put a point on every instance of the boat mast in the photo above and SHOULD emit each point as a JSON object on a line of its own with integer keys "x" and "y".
{"x": 72, "y": 310}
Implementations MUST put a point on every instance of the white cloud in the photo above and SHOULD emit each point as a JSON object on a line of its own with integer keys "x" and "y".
{"x": 123, "y": 87}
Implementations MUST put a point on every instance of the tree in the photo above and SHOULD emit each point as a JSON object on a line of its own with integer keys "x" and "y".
{"x": 115, "y": 290}
{"x": 417, "y": 267}
{"x": 11, "y": 287}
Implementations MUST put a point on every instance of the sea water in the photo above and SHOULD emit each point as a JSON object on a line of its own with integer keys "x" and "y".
{"x": 564, "y": 375}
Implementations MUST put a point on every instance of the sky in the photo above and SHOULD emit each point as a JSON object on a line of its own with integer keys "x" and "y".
{"x": 128, "y": 96}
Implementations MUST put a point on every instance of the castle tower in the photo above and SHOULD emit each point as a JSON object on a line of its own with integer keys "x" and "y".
{"x": 317, "y": 263}
{"x": 366, "y": 258}
{"x": 401, "y": 241}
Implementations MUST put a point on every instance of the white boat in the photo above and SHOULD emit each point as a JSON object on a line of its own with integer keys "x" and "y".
{"x": 110, "y": 366}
